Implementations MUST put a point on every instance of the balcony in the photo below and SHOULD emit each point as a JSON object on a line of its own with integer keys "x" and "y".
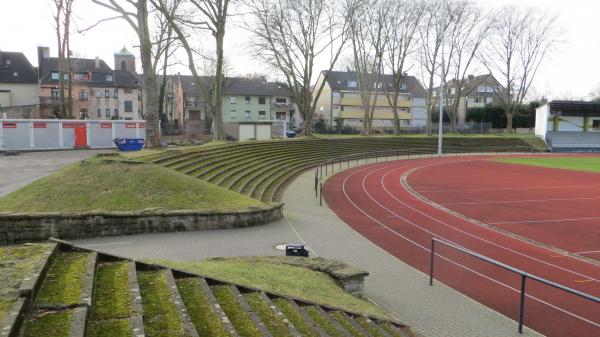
{"x": 281, "y": 106}
{"x": 382, "y": 101}
{"x": 49, "y": 101}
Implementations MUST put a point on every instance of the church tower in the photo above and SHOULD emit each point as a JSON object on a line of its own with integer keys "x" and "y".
{"x": 125, "y": 61}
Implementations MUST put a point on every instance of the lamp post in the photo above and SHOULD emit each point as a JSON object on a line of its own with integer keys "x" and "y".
{"x": 443, "y": 76}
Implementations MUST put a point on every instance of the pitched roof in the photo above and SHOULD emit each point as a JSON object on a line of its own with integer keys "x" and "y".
{"x": 254, "y": 87}
{"x": 79, "y": 65}
{"x": 338, "y": 80}
{"x": 470, "y": 84}
{"x": 124, "y": 78}
{"x": 15, "y": 68}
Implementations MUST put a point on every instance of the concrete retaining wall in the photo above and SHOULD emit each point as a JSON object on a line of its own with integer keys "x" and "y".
{"x": 15, "y": 228}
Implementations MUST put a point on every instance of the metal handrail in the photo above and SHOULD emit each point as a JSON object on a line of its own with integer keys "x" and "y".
{"x": 524, "y": 276}
{"x": 420, "y": 151}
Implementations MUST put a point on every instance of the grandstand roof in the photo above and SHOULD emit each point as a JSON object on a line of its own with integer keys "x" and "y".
{"x": 575, "y": 108}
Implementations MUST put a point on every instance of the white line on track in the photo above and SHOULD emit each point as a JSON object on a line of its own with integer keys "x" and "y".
{"x": 515, "y": 201}
{"x": 545, "y": 220}
{"x": 454, "y": 262}
{"x": 489, "y": 229}
{"x": 510, "y": 188}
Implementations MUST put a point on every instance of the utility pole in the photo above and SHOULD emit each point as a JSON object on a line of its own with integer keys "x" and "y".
{"x": 441, "y": 119}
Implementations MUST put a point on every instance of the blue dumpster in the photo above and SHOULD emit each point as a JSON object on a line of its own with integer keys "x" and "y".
{"x": 129, "y": 144}
{"x": 296, "y": 249}
{"x": 290, "y": 134}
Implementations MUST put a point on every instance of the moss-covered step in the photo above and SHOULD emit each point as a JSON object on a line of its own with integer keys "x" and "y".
{"x": 274, "y": 319}
{"x": 161, "y": 318}
{"x": 325, "y": 321}
{"x": 111, "y": 306}
{"x": 243, "y": 320}
{"x": 205, "y": 313}
{"x": 349, "y": 325}
{"x": 301, "y": 320}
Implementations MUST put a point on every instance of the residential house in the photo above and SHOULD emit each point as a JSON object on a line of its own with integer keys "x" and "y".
{"x": 476, "y": 92}
{"x": 98, "y": 91}
{"x": 340, "y": 101}
{"x": 256, "y": 100}
{"x": 195, "y": 108}
{"x": 18, "y": 86}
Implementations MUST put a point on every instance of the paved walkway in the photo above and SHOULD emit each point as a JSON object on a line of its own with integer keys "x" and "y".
{"x": 402, "y": 290}
{"x": 18, "y": 171}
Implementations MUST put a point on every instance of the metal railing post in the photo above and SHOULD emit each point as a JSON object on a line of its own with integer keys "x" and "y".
{"x": 431, "y": 262}
{"x": 326, "y": 168}
{"x": 316, "y": 183}
{"x": 522, "y": 303}
{"x": 321, "y": 194}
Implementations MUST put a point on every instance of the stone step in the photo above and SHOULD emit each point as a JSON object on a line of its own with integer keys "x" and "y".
{"x": 204, "y": 310}
{"x": 301, "y": 320}
{"x": 244, "y": 320}
{"x": 327, "y": 323}
{"x": 268, "y": 313}
{"x": 161, "y": 314}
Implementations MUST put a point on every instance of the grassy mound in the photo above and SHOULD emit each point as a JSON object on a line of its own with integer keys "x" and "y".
{"x": 586, "y": 164}
{"x": 100, "y": 185}
{"x": 268, "y": 275}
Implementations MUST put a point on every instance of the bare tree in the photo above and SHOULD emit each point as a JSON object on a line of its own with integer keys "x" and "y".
{"x": 62, "y": 21}
{"x": 400, "y": 32}
{"x": 367, "y": 31}
{"x": 210, "y": 16}
{"x": 135, "y": 13}
{"x": 471, "y": 25}
{"x": 518, "y": 44}
{"x": 436, "y": 22}
{"x": 291, "y": 36}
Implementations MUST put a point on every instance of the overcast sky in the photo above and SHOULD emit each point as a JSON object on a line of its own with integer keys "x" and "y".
{"x": 572, "y": 71}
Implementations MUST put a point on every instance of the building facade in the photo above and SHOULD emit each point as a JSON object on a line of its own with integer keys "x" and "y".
{"x": 98, "y": 92}
{"x": 18, "y": 86}
{"x": 340, "y": 101}
{"x": 476, "y": 92}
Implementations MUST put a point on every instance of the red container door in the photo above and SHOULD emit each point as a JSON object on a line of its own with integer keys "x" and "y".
{"x": 80, "y": 136}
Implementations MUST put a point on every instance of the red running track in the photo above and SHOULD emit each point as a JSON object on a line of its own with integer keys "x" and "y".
{"x": 373, "y": 200}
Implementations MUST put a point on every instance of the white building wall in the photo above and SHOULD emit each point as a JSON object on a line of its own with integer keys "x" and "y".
{"x": 19, "y": 94}
{"x": 541, "y": 121}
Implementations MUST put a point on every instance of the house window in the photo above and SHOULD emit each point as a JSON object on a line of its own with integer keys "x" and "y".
{"x": 281, "y": 100}
{"x": 83, "y": 114}
{"x": 262, "y": 100}
{"x": 99, "y": 93}
{"x": 481, "y": 88}
{"x": 489, "y": 89}
{"x": 128, "y": 105}
{"x": 98, "y": 112}
{"x": 55, "y": 93}
{"x": 83, "y": 95}
{"x": 596, "y": 124}
{"x": 127, "y": 91}
{"x": 403, "y": 86}
{"x": 452, "y": 91}
{"x": 352, "y": 84}
{"x": 116, "y": 93}
{"x": 233, "y": 114}
{"x": 262, "y": 115}
{"x": 54, "y": 76}
{"x": 116, "y": 113}
{"x": 107, "y": 113}
{"x": 247, "y": 99}
{"x": 247, "y": 114}
{"x": 108, "y": 78}
{"x": 107, "y": 93}
{"x": 478, "y": 99}
{"x": 232, "y": 100}
{"x": 489, "y": 100}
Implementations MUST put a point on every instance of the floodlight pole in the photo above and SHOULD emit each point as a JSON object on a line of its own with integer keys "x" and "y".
{"x": 443, "y": 76}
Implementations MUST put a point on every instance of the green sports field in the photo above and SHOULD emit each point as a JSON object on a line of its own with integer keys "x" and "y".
{"x": 587, "y": 164}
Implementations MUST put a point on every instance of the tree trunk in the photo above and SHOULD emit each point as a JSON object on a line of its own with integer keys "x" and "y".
{"x": 509, "y": 122}
{"x": 218, "y": 132}
{"x": 149, "y": 85}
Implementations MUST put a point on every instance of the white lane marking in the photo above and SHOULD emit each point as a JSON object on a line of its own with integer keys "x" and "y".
{"x": 106, "y": 244}
{"x": 589, "y": 252}
{"x": 515, "y": 201}
{"x": 458, "y": 264}
{"x": 510, "y": 188}
{"x": 545, "y": 220}
{"x": 489, "y": 229}
{"x": 298, "y": 234}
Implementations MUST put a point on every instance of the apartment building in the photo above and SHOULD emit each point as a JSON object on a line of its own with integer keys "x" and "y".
{"x": 476, "y": 92}
{"x": 98, "y": 92}
{"x": 18, "y": 86}
{"x": 340, "y": 101}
